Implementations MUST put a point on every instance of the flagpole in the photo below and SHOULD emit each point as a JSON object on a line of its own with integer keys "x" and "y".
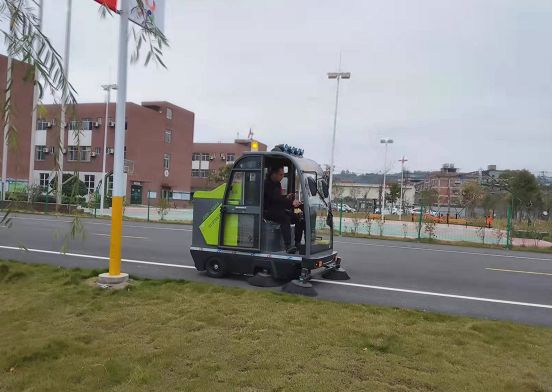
{"x": 114, "y": 275}
{"x": 35, "y": 109}
{"x": 62, "y": 123}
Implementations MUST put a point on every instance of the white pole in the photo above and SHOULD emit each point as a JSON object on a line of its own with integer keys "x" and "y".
{"x": 118, "y": 165}
{"x": 104, "y": 151}
{"x": 383, "y": 190}
{"x": 402, "y": 182}
{"x": 35, "y": 109}
{"x": 63, "y": 103}
{"x": 334, "y": 132}
{"x": 6, "y": 129}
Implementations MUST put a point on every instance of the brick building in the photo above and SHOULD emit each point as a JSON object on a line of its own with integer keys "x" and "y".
{"x": 157, "y": 144}
{"x": 208, "y": 158}
{"x": 160, "y": 156}
{"x": 448, "y": 182}
{"x": 22, "y": 104}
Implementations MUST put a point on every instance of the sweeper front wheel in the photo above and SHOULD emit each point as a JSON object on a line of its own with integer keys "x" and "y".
{"x": 215, "y": 268}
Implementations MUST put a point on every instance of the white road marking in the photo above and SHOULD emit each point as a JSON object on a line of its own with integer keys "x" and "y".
{"x": 94, "y": 257}
{"x": 124, "y": 236}
{"x": 444, "y": 251}
{"x": 480, "y": 299}
{"x": 103, "y": 224}
{"x": 499, "y": 301}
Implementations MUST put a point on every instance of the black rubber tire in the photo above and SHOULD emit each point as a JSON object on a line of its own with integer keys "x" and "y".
{"x": 215, "y": 268}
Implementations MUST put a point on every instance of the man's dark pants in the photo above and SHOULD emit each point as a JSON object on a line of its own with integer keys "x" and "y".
{"x": 285, "y": 220}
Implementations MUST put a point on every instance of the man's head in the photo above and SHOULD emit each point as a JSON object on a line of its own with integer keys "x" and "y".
{"x": 277, "y": 173}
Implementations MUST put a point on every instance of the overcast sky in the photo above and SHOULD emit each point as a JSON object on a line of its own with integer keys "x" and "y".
{"x": 467, "y": 82}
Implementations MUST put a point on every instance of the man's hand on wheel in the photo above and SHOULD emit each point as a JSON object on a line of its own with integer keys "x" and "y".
{"x": 296, "y": 203}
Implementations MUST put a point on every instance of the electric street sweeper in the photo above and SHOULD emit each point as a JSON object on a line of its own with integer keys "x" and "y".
{"x": 231, "y": 234}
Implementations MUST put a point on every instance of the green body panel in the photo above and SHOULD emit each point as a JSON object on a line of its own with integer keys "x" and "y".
{"x": 210, "y": 227}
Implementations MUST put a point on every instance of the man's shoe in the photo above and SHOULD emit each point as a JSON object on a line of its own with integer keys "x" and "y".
{"x": 291, "y": 249}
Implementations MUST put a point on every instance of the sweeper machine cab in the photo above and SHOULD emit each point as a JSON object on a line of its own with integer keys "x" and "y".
{"x": 231, "y": 235}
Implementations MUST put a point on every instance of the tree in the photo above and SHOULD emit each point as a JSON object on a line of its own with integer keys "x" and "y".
{"x": 525, "y": 189}
{"x": 72, "y": 186}
{"x": 394, "y": 193}
{"x": 354, "y": 193}
{"x": 472, "y": 195}
{"x": 429, "y": 197}
{"x": 338, "y": 191}
{"x": 221, "y": 176}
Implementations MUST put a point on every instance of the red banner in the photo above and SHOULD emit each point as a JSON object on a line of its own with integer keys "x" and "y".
{"x": 111, "y": 4}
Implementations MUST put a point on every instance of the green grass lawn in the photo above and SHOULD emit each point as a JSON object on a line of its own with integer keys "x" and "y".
{"x": 60, "y": 334}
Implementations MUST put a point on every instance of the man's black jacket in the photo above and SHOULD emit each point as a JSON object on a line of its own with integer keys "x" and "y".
{"x": 273, "y": 199}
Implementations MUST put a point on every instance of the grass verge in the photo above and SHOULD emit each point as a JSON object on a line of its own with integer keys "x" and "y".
{"x": 60, "y": 334}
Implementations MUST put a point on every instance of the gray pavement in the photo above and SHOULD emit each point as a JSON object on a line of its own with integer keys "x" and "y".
{"x": 484, "y": 283}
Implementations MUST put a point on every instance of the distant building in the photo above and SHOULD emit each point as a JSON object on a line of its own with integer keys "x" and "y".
{"x": 208, "y": 158}
{"x": 448, "y": 182}
{"x": 367, "y": 195}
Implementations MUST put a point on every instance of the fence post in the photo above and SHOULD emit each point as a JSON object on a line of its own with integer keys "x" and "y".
{"x": 96, "y": 204}
{"x": 508, "y": 230}
{"x": 148, "y": 206}
{"x": 420, "y": 221}
{"x": 340, "y": 216}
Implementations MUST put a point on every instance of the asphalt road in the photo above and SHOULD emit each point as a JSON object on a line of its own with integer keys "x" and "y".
{"x": 483, "y": 283}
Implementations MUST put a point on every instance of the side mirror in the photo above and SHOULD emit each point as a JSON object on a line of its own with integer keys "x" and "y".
{"x": 325, "y": 189}
{"x": 312, "y": 186}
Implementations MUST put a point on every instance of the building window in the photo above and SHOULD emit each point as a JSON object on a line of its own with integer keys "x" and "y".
{"x": 196, "y": 156}
{"x": 98, "y": 150}
{"x": 73, "y": 153}
{"x": 43, "y": 182}
{"x": 230, "y": 158}
{"x": 124, "y": 155}
{"x": 205, "y": 157}
{"x": 195, "y": 172}
{"x": 90, "y": 181}
{"x": 168, "y": 136}
{"x": 204, "y": 173}
{"x": 42, "y": 125}
{"x": 87, "y": 124}
{"x": 167, "y": 161}
{"x": 110, "y": 185}
{"x": 39, "y": 154}
{"x": 73, "y": 125}
{"x": 85, "y": 154}
{"x": 166, "y": 194}
{"x": 169, "y": 114}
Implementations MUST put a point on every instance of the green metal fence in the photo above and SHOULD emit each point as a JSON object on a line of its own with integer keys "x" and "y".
{"x": 423, "y": 227}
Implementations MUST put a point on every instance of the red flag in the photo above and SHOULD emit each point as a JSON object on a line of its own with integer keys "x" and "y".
{"x": 111, "y": 4}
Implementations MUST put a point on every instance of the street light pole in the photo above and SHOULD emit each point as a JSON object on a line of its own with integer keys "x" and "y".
{"x": 62, "y": 123}
{"x": 402, "y": 184}
{"x": 108, "y": 89}
{"x": 338, "y": 76}
{"x": 386, "y": 142}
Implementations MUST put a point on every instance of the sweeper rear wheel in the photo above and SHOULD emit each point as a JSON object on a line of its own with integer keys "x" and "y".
{"x": 215, "y": 268}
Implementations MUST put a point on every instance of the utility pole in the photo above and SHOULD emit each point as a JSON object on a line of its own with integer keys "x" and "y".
{"x": 62, "y": 123}
{"x": 107, "y": 88}
{"x": 338, "y": 76}
{"x": 402, "y": 185}
{"x": 35, "y": 109}
{"x": 386, "y": 142}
